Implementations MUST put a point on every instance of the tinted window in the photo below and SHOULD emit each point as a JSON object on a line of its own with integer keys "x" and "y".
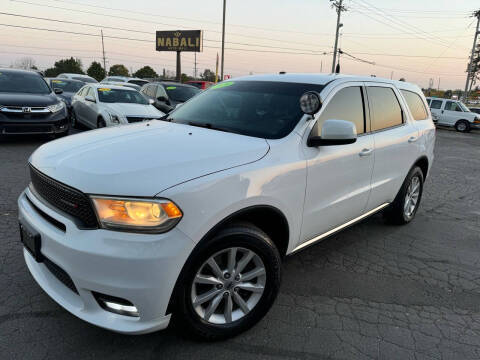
{"x": 415, "y": 103}
{"x": 347, "y": 104}
{"x": 453, "y": 106}
{"x": 84, "y": 79}
{"x": 108, "y": 95}
{"x": 181, "y": 93}
{"x": 436, "y": 104}
{"x": 255, "y": 108}
{"x": 23, "y": 82}
{"x": 66, "y": 85}
{"x": 386, "y": 110}
{"x": 196, "y": 84}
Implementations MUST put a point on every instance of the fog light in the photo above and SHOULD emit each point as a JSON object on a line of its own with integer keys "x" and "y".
{"x": 116, "y": 305}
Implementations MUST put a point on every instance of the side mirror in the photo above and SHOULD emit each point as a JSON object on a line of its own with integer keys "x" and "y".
{"x": 57, "y": 91}
{"x": 162, "y": 98}
{"x": 335, "y": 132}
{"x": 90, "y": 98}
{"x": 151, "y": 101}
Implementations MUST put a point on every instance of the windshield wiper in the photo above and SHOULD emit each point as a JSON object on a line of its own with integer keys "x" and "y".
{"x": 210, "y": 126}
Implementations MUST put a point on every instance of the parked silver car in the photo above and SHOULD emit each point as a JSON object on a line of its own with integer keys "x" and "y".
{"x": 100, "y": 105}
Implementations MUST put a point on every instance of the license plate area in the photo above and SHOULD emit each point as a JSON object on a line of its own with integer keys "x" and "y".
{"x": 31, "y": 240}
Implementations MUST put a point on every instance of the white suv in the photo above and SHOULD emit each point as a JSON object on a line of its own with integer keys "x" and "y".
{"x": 192, "y": 216}
{"x": 453, "y": 113}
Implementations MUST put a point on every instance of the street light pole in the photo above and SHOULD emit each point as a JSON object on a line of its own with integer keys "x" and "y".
{"x": 223, "y": 39}
{"x": 337, "y": 5}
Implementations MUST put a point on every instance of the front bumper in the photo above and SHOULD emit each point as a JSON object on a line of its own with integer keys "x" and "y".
{"x": 140, "y": 268}
{"x": 19, "y": 124}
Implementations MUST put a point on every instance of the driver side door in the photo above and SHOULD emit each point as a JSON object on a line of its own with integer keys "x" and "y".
{"x": 338, "y": 176}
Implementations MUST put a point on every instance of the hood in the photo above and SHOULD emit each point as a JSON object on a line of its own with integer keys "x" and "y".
{"x": 143, "y": 159}
{"x": 26, "y": 99}
{"x": 137, "y": 110}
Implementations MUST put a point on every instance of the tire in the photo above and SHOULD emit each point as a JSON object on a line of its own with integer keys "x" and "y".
{"x": 101, "y": 123}
{"x": 73, "y": 120}
{"x": 192, "y": 317}
{"x": 462, "y": 126}
{"x": 398, "y": 212}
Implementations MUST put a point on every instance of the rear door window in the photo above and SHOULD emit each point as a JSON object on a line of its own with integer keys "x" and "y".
{"x": 416, "y": 105}
{"x": 436, "y": 104}
{"x": 385, "y": 108}
{"x": 346, "y": 104}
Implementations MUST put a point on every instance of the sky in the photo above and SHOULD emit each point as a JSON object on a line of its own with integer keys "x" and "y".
{"x": 421, "y": 41}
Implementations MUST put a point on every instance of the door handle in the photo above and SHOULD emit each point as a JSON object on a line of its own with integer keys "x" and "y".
{"x": 365, "y": 152}
{"x": 413, "y": 139}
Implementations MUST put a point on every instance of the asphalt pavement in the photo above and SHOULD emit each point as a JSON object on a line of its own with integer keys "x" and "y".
{"x": 374, "y": 291}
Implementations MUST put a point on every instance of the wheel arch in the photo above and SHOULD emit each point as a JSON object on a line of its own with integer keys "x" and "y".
{"x": 268, "y": 218}
{"x": 423, "y": 164}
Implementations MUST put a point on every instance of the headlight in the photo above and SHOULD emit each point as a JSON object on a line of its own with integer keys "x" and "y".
{"x": 138, "y": 215}
{"x": 56, "y": 107}
{"x": 115, "y": 118}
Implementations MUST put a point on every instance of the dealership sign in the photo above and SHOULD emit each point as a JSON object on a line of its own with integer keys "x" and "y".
{"x": 180, "y": 40}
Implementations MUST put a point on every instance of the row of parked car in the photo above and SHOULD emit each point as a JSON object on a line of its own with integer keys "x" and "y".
{"x": 31, "y": 103}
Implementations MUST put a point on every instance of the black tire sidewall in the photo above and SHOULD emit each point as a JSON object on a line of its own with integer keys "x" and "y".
{"x": 467, "y": 126}
{"x": 237, "y": 236}
{"x": 99, "y": 122}
{"x": 414, "y": 172}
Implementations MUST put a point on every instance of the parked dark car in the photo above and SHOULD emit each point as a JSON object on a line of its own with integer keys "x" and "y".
{"x": 201, "y": 84}
{"x": 69, "y": 88}
{"x": 166, "y": 94}
{"x": 475, "y": 110}
{"x": 29, "y": 106}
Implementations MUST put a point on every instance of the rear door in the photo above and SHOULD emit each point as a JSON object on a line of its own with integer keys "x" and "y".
{"x": 338, "y": 177}
{"x": 91, "y": 112}
{"x": 436, "y": 107}
{"x": 396, "y": 142}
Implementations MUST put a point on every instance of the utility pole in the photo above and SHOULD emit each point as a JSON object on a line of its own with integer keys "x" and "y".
{"x": 338, "y": 5}
{"x": 223, "y": 38}
{"x": 103, "y": 51}
{"x": 195, "y": 67}
{"x": 470, "y": 73}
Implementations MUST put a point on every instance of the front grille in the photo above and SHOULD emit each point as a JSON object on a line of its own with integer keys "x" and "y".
{"x": 60, "y": 274}
{"x": 26, "y": 128}
{"x": 65, "y": 198}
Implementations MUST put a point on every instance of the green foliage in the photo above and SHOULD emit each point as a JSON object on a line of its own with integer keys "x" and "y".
{"x": 96, "y": 71}
{"x": 208, "y": 75}
{"x": 145, "y": 72}
{"x": 185, "y": 78}
{"x": 118, "y": 70}
{"x": 65, "y": 66}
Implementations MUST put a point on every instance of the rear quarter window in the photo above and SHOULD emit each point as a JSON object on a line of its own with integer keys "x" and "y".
{"x": 416, "y": 105}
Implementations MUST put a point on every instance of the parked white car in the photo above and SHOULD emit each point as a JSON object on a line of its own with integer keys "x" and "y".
{"x": 126, "y": 79}
{"x": 453, "y": 113}
{"x": 101, "y": 105}
{"x": 79, "y": 77}
{"x": 191, "y": 216}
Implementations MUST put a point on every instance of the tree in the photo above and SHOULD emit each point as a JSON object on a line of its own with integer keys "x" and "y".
{"x": 145, "y": 72}
{"x": 96, "y": 71}
{"x": 185, "y": 78}
{"x": 208, "y": 75}
{"x": 65, "y": 66}
{"x": 25, "y": 63}
{"x": 118, "y": 70}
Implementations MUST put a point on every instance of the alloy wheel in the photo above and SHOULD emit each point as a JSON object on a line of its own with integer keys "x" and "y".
{"x": 411, "y": 198}
{"x": 228, "y": 285}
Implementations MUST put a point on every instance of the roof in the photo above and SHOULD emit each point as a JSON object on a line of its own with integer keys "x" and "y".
{"x": 172, "y": 83}
{"x": 11, "y": 70}
{"x": 111, "y": 86}
{"x": 323, "y": 79}
{"x": 75, "y": 74}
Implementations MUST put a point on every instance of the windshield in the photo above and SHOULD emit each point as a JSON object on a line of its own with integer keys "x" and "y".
{"x": 108, "y": 95}
{"x": 181, "y": 93}
{"x": 254, "y": 108}
{"x": 463, "y": 106}
{"x": 66, "y": 86}
{"x": 23, "y": 82}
